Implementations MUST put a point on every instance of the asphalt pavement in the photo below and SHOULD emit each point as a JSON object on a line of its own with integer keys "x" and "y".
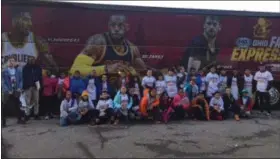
{"x": 255, "y": 138}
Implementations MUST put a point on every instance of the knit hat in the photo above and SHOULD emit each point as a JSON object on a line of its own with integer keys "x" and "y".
{"x": 85, "y": 93}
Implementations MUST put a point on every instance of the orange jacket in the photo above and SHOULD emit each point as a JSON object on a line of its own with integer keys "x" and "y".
{"x": 207, "y": 112}
{"x": 146, "y": 92}
{"x": 145, "y": 102}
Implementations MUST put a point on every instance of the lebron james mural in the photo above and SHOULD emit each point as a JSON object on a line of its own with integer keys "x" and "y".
{"x": 109, "y": 52}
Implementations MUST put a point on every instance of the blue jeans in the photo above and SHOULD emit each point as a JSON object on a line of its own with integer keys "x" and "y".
{"x": 71, "y": 118}
{"x": 63, "y": 121}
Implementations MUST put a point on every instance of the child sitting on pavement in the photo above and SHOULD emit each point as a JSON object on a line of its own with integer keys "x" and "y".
{"x": 216, "y": 107}
{"x": 246, "y": 104}
{"x": 122, "y": 104}
{"x": 149, "y": 106}
{"x": 200, "y": 108}
{"x": 68, "y": 110}
{"x": 86, "y": 109}
{"x": 105, "y": 109}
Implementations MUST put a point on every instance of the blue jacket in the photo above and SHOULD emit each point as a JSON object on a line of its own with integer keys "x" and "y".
{"x": 7, "y": 85}
{"x": 117, "y": 101}
{"x": 189, "y": 90}
{"x": 30, "y": 75}
{"x": 77, "y": 85}
{"x": 198, "y": 80}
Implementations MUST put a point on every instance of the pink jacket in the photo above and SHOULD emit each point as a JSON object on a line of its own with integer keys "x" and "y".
{"x": 49, "y": 85}
{"x": 177, "y": 100}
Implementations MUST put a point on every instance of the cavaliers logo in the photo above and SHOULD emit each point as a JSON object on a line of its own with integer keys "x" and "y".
{"x": 274, "y": 96}
{"x": 262, "y": 28}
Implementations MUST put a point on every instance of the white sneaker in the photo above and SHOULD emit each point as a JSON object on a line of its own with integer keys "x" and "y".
{"x": 267, "y": 114}
{"x": 47, "y": 118}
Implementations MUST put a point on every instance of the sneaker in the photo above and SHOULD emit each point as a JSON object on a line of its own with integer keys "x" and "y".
{"x": 51, "y": 116}
{"x": 20, "y": 121}
{"x": 47, "y": 117}
{"x": 116, "y": 122}
{"x": 26, "y": 118}
{"x": 220, "y": 118}
{"x": 267, "y": 114}
{"x": 157, "y": 122}
{"x": 37, "y": 118}
{"x": 236, "y": 117}
{"x": 92, "y": 123}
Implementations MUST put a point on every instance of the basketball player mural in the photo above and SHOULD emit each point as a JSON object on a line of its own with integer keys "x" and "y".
{"x": 22, "y": 44}
{"x": 203, "y": 50}
{"x": 109, "y": 52}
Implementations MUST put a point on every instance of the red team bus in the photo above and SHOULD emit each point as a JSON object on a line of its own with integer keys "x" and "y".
{"x": 109, "y": 38}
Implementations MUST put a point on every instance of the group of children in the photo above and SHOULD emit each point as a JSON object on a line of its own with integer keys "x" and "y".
{"x": 176, "y": 95}
{"x": 160, "y": 97}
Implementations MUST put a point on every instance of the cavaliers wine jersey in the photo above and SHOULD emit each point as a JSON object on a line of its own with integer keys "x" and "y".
{"x": 21, "y": 54}
{"x": 111, "y": 55}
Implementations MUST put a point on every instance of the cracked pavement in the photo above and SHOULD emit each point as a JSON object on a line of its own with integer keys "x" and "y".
{"x": 254, "y": 138}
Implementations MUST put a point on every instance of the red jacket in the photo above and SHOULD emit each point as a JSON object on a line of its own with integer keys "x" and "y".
{"x": 65, "y": 85}
{"x": 177, "y": 99}
{"x": 49, "y": 85}
{"x": 248, "y": 105}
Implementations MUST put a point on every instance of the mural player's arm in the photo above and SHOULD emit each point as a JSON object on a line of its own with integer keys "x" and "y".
{"x": 92, "y": 54}
{"x": 45, "y": 56}
{"x": 138, "y": 61}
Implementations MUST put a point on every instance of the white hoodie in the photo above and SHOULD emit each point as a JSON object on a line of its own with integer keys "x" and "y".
{"x": 68, "y": 106}
{"x": 160, "y": 86}
{"x": 217, "y": 102}
{"x": 171, "y": 85}
{"x": 148, "y": 81}
{"x": 91, "y": 88}
{"x": 212, "y": 80}
{"x": 102, "y": 104}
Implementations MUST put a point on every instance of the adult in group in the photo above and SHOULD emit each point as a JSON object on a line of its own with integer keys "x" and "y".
{"x": 235, "y": 82}
{"x": 21, "y": 43}
{"x": 263, "y": 80}
{"x": 212, "y": 81}
{"x": 104, "y": 85}
{"x": 12, "y": 86}
{"x": 248, "y": 82}
{"x": 92, "y": 82}
{"x": 223, "y": 81}
{"x": 32, "y": 82}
